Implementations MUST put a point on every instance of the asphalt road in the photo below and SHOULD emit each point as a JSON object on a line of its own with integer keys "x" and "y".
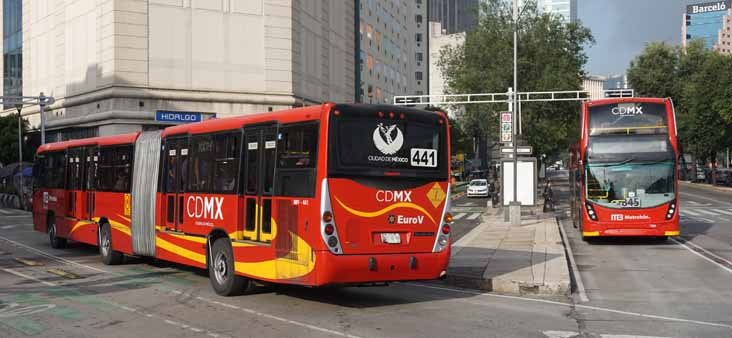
{"x": 69, "y": 293}
{"x": 679, "y": 278}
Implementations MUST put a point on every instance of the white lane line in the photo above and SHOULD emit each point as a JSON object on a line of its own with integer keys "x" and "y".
{"x": 689, "y": 212}
{"x": 580, "y": 306}
{"x": 6, "y": 227}
{"x": 684, "y": 243}
{"x": 22, "y": 275}
{"x": 458, "y": 215}
{"x": 5, "y": 212}
{"x": 473, "y": 216}
{"x": 705, "y": 211}
{"x": 706, "y": 220}
{"x": 702, "y": 198}
{"x": 693, "y": 202}
{"x": 52, "y": 256}
{"x": 723, "y": 211}
{"x": 281, "y": 319}
{"x": 570, "y": 334}
{"x": 468, "y": 204}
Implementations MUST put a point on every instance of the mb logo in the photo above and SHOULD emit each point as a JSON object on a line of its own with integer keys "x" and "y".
{"x": 616, "y": 217}
{"x": 388, "y": 139}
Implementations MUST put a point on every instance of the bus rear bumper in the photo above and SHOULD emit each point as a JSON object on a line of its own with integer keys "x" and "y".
{"x": 361, "y": 269}
{"x": 660, "y": 229}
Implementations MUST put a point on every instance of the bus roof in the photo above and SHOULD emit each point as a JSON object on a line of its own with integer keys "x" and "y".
{"x": 214, "y": 125}
{"x": 626, "y": 100}
{"x": 99, "y": 141}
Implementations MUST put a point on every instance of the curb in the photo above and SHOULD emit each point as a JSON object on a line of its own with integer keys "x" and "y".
{"x": 706, "y": 186}
{"x": 516, "y": 287}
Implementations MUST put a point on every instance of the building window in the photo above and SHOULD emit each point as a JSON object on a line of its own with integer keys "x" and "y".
{"x": 418, "y": 37}
{"x": 418, "y": 18}
{"x": 418, "y": 76}
{"x": 419, "y": 57}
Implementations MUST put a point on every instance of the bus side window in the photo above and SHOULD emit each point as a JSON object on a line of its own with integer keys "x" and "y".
{"x": 122, "y": 169}
{"x": 201, "y": 164}
{"x": 105, "y": 169}
{"x": 297, "y": 146}
{"x": 226, "y": 162}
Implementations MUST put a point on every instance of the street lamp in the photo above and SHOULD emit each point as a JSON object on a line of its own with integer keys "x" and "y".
{"x": 19, "y": 107}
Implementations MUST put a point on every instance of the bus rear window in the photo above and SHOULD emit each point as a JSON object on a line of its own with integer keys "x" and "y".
{"x": 363, "y": 144}
{"x": 631, "y": 118}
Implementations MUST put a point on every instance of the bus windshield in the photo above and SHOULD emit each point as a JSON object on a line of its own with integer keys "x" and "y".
{"x": 628, "y": 119}
{"x": 410, "y": 144}
{"x": 630, "y": 185}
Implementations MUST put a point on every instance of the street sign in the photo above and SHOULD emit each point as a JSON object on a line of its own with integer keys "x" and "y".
{"x": 521, "y": 150}
{"x": 506, "y": 127}
{"x": 177, "y": 116}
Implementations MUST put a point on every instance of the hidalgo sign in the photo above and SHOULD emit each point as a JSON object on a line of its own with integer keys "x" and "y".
{"x": 708, "y": 7}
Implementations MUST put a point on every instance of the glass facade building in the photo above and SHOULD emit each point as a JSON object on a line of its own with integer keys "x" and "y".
{"x": 12, "y": 48}
{"x": 704, "y": 21}
{"x": 455, "y": 16}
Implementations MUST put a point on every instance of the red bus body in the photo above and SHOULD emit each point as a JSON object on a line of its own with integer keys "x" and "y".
{"x": 624, "y": 175}
{"x": 273, "y": 211}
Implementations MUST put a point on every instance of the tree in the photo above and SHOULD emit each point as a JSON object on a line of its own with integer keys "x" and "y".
{"x": 699, "y": 81}
{"x": 9, "y": 140}
{"x": 550, "y": 57}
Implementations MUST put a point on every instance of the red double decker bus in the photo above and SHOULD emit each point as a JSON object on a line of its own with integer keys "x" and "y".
{"x": 623, "y": 172}
{"x": 329, "y": 194}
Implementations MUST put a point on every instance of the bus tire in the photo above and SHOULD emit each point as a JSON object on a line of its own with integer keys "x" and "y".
{"x": 56, "y": 242}
{"x": 221, "y": 271}
{"x": 109, "y": 256}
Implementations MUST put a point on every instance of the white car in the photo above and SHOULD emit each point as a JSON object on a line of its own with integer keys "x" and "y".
{"x": 478, "y": 188}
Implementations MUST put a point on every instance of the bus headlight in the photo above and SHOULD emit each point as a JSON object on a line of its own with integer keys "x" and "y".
{"x": 671, "y": 210}
{"x": 591, "y": 211}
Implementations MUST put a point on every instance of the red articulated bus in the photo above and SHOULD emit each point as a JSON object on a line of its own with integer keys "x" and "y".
{"x": 322, "y": 195}
{"x": 623, "y": 172}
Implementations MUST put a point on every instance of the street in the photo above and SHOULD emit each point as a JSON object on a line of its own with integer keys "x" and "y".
{"x": 635, "y": 288}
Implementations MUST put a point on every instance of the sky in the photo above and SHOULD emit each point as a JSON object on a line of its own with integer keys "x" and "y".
{"x": 622, "y": 28}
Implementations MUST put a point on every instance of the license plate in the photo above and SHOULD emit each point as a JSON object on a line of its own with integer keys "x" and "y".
{"x": 391, "y": 238}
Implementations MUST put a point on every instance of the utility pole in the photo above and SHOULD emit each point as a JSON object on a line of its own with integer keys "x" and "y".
{"x": 515, "y": 206}
{"x": 42, "y": 104}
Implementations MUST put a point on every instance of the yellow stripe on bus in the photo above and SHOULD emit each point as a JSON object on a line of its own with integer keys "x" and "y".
{"x": 672, "y": 233}
{"x": 591, "y": 233}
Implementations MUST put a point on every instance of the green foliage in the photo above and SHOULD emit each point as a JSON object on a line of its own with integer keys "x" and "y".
{"x": 550, "y": 57}
{"x": 9, "y": 140}
{"x": 700, "y": 83}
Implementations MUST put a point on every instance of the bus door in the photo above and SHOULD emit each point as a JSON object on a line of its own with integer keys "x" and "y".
{"x": 175, "y": 175}
{"x": 260, "y": 147}
{"x": 90, "y": 160}
{"x": 74, "y": 175}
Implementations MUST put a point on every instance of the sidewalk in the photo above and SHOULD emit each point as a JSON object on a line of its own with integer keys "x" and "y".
{"x": 706, "y": 186}
{"x": 526, "y": 259}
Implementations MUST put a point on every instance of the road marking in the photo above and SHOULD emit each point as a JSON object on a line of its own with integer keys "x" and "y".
{"x": 281, "y": 319}
{"x": 6, "y": 227}
{"x": 570, "y": 334}
{"x": 687, "y": 211}
{"x": 693, "y": 202}
{"x": 569, "y": 305}
{"x": 725, "y": 265}
{"x": 702, "y": 197}
{"x": 468, "y": 204}
{"x": 473, "y": 216}
{"x": 64, "y": 260}
{"x": 722, "y": 211}
{"x": 5, "y": 212}
{"x": 704, "y": 211}
{"x": 458, "y": 215}
{"x": 27, "y": 262}
{"x": 22, "y": 275}
{"x": 64, "y": 274}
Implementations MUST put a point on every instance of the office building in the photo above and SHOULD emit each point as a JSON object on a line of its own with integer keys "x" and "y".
{"x": 709, "y": 22}
{"x": 454, "y": 16}
{"x": 12, "y": 48}
{"x": 567, "y": 9}
{"x": 438, "y": 41}
{"x": 393, "y": 49}
{"x": 595, "y": 86}
{"x": 125, "y": 66}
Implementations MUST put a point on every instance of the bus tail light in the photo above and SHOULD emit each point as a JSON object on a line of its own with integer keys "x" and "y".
{"x": 328, "y": 228}
{"x": 446, "y": 229}
{"x": 443, "y": 235}
{"x": 591, "y": 211}
{"x": 671, "y": 210}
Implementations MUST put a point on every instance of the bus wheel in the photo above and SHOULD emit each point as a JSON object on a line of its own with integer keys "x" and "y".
{"x": 109, "y": 256}
{"x": 221, "y": 271}
{"x": 56, "y": 242}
